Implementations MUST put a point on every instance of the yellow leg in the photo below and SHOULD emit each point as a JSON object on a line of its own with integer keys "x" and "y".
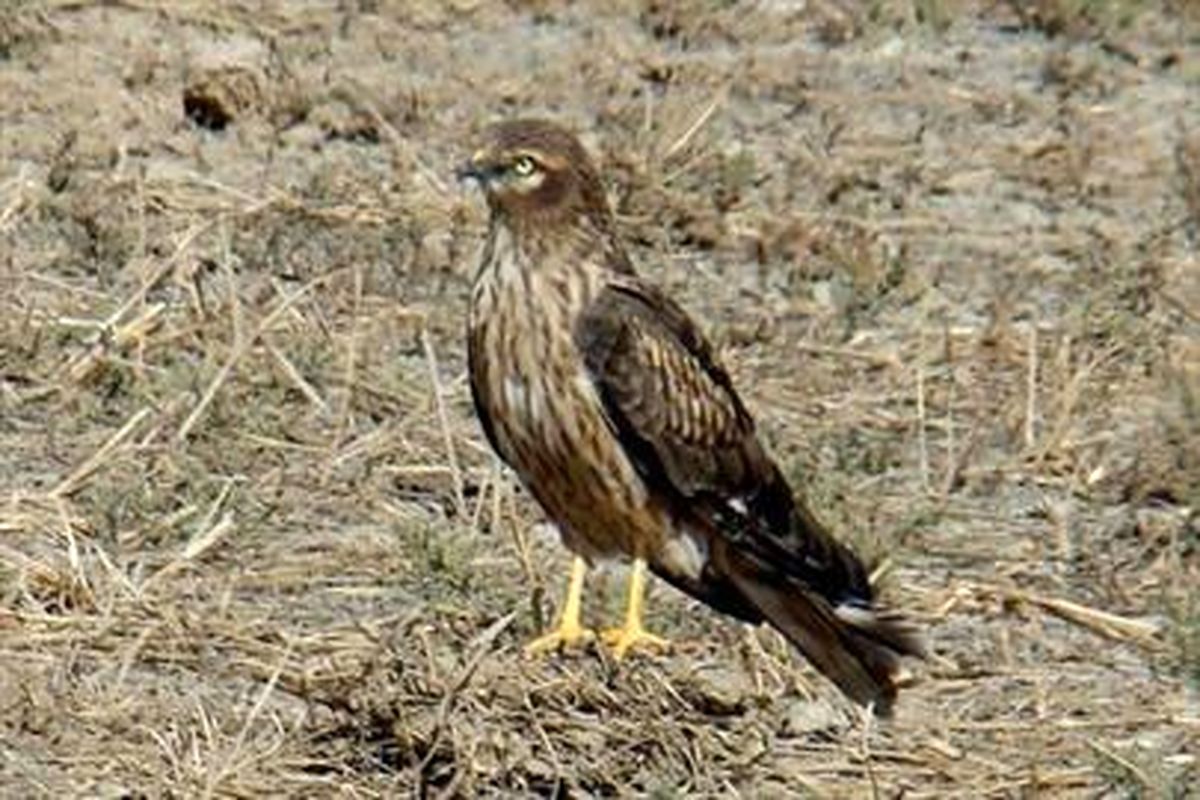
{"x": 632, "y": 634}
{"x": 569, "y": 633}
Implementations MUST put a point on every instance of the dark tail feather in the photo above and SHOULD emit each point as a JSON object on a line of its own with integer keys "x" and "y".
{"x": 857, "y": 647}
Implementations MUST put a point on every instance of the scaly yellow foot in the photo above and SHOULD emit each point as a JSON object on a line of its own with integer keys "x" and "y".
{"x": 624, "y": 639}
{"x": 632, "y": 635}
{"x": 561, "y": 638}
{"x": 569, "y": 633}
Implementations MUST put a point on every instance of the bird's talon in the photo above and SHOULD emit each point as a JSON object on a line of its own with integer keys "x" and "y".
{"x": 622, "y": 640}
{"x": 562, "y": 638}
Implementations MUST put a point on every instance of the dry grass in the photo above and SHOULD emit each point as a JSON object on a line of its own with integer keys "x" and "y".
{"x": 252, "y": 543}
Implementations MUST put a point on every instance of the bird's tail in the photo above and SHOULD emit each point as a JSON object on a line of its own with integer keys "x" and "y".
{"x": 853, "y": 642}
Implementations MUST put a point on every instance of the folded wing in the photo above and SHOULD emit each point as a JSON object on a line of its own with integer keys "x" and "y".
{"x": 675, "y": 412}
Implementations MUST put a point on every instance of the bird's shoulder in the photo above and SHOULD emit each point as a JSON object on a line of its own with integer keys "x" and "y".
{"x": 632, "y": 324}
{"x": 665, "y": 392}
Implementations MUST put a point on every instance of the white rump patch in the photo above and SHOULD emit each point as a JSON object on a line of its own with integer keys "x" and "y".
{"x": 855, "y": 615}
{"x": 684, "y": 554}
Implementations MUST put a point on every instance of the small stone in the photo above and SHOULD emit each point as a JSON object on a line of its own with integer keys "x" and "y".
{"x": 812, "y": 718}
{"x": 719, "y": 690}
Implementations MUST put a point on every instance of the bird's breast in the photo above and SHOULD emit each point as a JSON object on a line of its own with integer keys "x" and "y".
{"x": 528, "y": 373}
{"x": 542, "y": 408}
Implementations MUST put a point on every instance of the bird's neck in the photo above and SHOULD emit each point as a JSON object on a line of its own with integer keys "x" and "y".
{"x": 560, "y": 241}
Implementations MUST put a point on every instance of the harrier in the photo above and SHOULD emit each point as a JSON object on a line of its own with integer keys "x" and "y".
{"x": 611, "y": 406}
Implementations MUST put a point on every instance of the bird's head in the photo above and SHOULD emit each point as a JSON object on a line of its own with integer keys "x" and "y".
{"x": 531, "y": 169}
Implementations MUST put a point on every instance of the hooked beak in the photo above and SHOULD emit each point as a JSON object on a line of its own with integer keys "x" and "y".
{"x": 479, "y": 167}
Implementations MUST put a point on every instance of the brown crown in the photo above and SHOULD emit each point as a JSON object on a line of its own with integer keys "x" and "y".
{"x": 564, "y": 181}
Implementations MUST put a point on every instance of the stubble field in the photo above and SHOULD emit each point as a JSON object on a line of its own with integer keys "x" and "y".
{"x": 252, "y": 542}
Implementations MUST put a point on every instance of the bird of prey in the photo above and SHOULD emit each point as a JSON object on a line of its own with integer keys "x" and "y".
{"x": 611, "y": 406}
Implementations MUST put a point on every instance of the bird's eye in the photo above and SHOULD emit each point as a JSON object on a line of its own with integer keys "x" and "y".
{"x": 523, "y": 166}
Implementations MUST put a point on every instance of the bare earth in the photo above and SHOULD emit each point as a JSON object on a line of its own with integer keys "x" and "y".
{"x": 252, "y": 542}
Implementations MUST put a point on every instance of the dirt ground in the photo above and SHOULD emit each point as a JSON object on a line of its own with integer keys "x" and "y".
{"x": 252, "y": 542}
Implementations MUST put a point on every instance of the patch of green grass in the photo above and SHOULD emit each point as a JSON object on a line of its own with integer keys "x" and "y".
{"x": 442, "y": 556}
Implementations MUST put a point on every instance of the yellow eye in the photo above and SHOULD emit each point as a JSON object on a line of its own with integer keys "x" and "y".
{"x": 523, "y": 166}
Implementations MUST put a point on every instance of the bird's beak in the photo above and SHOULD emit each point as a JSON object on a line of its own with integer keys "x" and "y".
{"x": 480, "y": 167}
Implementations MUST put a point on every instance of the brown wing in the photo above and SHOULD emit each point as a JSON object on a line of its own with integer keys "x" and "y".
{"x": 682, "y": 423}
{"x": 665, "y": 391}
{"x": 676, "y": 414}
